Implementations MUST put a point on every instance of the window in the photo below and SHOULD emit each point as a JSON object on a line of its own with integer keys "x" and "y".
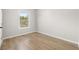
{"x": 23, "y": 19}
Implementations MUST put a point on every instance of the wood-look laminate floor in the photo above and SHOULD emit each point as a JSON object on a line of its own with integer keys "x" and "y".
{"x": 37, "y": 41}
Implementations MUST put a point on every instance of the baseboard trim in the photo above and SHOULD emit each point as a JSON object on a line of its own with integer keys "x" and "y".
{"x": 61, "y": 38}
{"x": 45, "y": 34}
{"x": 16, "y": 35}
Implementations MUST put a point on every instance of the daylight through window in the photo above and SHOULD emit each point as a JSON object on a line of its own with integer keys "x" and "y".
{"x": 23, "y": 19}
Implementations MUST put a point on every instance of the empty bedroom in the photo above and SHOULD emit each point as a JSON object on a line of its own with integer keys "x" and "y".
{"x": 39, "y": 29}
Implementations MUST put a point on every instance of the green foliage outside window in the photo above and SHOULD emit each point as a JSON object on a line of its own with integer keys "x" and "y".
{"x": 23, "y": 21}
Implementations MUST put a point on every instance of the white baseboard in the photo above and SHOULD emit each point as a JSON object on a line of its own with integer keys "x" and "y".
{"x": 15, "y": 35}
{"x": 60, "y": 38}
{"x": 45, "y": 34}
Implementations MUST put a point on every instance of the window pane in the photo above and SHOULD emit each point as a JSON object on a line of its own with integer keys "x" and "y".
{"x": 23, "y": 19}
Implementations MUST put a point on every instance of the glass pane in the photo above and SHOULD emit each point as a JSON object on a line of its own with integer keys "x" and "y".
{"x": 23, "y": 19}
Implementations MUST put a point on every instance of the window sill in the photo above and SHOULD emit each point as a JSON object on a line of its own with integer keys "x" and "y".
{"x": 24, "y": 27}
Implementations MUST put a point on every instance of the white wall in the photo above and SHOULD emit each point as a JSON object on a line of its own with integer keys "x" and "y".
{"x": 11, "y": 22}
{"x": 59, "y": 23}
{"x": 0, "y": 18}
{"x": 0, "y": 26}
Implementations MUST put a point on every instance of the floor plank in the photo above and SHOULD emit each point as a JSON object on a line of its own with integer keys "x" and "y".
{"x": 37, "y": 41}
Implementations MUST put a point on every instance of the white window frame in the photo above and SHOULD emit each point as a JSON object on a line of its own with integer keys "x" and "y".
{"x": 28, "y": 21}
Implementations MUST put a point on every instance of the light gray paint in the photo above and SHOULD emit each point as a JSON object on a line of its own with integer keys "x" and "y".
{"x": 0, "y": 26}
{"x": 61, "y": 23}
{"x": 11, "y": 22}
{"x": 0, "y": 18}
